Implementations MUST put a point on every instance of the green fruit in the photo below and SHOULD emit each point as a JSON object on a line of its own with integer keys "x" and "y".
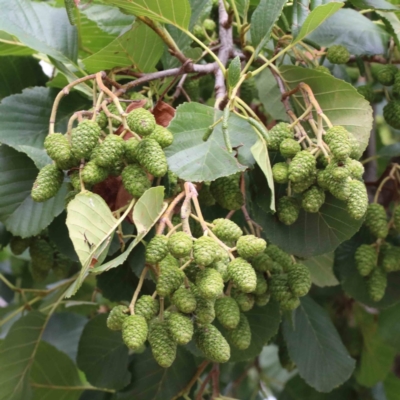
{"x": 263, "y": 299}
{"x": 205, "y": 311}
{"x": 130, "y": 149}
{"x": 18, "y": 244}
{"x": 147, "y": 307}
{"x": 222, "y": 268}
{"x": 198, "y": 31}
{"x": 302, "y": 166}
{"x": 209, "y": 283}
{"x": 37, "y": 274}
{"x": 376, "y": 284}
{"x": 209, "y": 25}
{"x": 101, "y": 118}
{"x": 279, "y": 256}
{"x": 385, "y": 75}
{"x": 338, "y": 170}
{"x": 391, "y": 259}
{"x": 289, "y": 148}
{"x": 180, "y": 327}
{"x": 338, "y": 141}
{"x": 278, "y": 134}
{"x": 180, "y": 244}
{"x": 396, "y": 85}
{"x": 340, "y": 189}
{"x": 192, "y": 89}
{"x": 240, "y": 337}
{"x": 136, "y": 96}
{"x": 62, "y": 266}
{"x": 205, "y": 198}
{"x": 245, "y": 301}
{"x": 42, "y": 255}
{"x": 151, "y": 157}
{"x": 280, "y": 172}
{"x": 290, "y": 303}
{"x": 117, "y": 317}
{"x": 366, "y": 259}
{"x": 376, "y": 220}
{"x": 169, "y": 280}
{"x": 162, "y": 136}
{"x": 70, "y": 196}
{"x": 262, "y": 262}
{"x": 134, "y": 331}
{"x": 226, "y": 192}
{"x": 205, "y": 251}
{"x": 391, "y": 113}
{"x": 313, "y": 199}
{"x": 58, "y": 147}
{"x": 356, "y": 152}
{"x": 300, "y": 187}
{"x": 367, "y": 92}
{"x": 357, "y": 203}
{"x": 226, "y": 230}
{"x": 163, "y": 346}
{"x": 323, "y": 179}
{"x": 75, "y": 180}
{"x": 242, "y": 275}
{"x": 135, "y": 180}
{"x": 110, "y": 151}
{"x": 248, "y": 90}
{"x": 93, "y": 173}
{"x": 356, "y": 169}
{"x": 299, "y": 279}
{"x": 141, "y": 121}
{"x": 157, "y": 249}
{"x": 112, "y": 108}
{"x": 288, "y": 210}
{"x": 47, "y": 183}
{"x": 396, "y": 218}
{"x": 279, "y": 287}
{"x": 338, "y": 54}
{"x": 249, "y": 246}
{"x": 227, "y": 312}
{"x": 84, "y": 139}
{"x": 321, "y": 68}
{"x": 184, "y": 300}
{"x": 262, "y": 285}
{"x": 212, "y": 344}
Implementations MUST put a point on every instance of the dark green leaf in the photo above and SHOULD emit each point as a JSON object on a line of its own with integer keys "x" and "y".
{"x": 353, "y": 283}
{"x": 392, "y": 387}
{"x": 374, "y": 4}
{"x": 364, "y": 37}
{"x": 19, "y": 213}
{"x": 54, "y": 375}
{"x": 15, "y": 365}
{"x": 140, "y": 46}
{"x": 152, "y": 382}
{"x": 48, "y": 30}
{"x": 301, "y": 9}
{"x": 316, "y": 18}
{"x": 194, "y": 160}
{"x": 392, "y": 24}
{"x": 392, "y": 150}
{"x": 321, "y": 269}
{"x": 107, "y": 368}
{"x": 263, "y": 20}
{"x": 11, "y": 46}
{"x": 389, "y": 326}
{"x": 70, "y": 8}
{"x": 24, "y": 120}
{"x": 316, "y": 348}
{"x": 175, "y": 12}
{"x": 18, "y": 73}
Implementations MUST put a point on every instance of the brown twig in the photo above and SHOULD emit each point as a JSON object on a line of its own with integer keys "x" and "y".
{"x": 196, "y": 376}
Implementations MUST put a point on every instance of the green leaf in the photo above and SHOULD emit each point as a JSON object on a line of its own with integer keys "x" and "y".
{"x": 140, "y": 47}
{"x": 339, "y": 100}
{"x": 107, "y": 368}
{"x": 15, "y": 365}
{"x": 19, "y": 213}
{"x": 194, "y": 160}
{"x": 11, "y": 46}
{"x": 24, "y": 120}
{"x": 300, "y": 12}
{"x": 260, "y": 153}
{"x": 316, "y": 18}
{"x": 392, "y": 24}
{"x": 150, "y": 381}
{"x": 262, "y": 22}
{"x": 48, "y": 30}
{"x": 353, "y": 283}
{"x": 316, "y": 348}
{"x": 270, "y": 95}
{"x": 364, "y": 38}
{"x": 70, "y": 8}
{"x": 376, "y": 357}
{"x": 175, "y": 12}
{"x": 321, "y": 269}
{"x": 374, "y": 4}
{"x": 242, "y": 6}
{"x": 392, "y": 387}
{"x": 108, "y": 18}
{"x": 389, "y": 325}
{"x": 146, "y": 213}
{"x": 18, "y": 73}
{"x": 54, "y": 375}
{"x": 233, "y": 72}
{"x": 264, "y": 323}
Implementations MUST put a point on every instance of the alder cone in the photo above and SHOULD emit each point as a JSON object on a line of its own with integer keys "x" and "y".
{"x": 211, "y": 342}
{"x": 117, "y": 317}
{"x": 134, "y": 331}
{"x": 151, "y": 157}
{"x": 84, "y": 139}
{"x": 163, "y": 346}
{"x": 47, "y": 183}
{"x": 227, "y": 312}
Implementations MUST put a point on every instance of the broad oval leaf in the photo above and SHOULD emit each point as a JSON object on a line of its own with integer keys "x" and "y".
{"x": 20, "y": 214}
{"x": 300, "y": 11}
{"x": 175, "y": 12}
{"x": 321, "y": 269}
{"x": 374, "y": 4}
{"x": 11, "y": 46}
{"x": 132, "y": 48}
{"x": 339, "y": 100}
{"x": 194, "y": 160}
{"x": 316, "y": 18}
{"x": 392, "y": 24}
{"x": 389, "y": 326}
{"x": 107, "y": 368}
{"x": 316, "y": 348}
{"x": 54, "y": 375}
